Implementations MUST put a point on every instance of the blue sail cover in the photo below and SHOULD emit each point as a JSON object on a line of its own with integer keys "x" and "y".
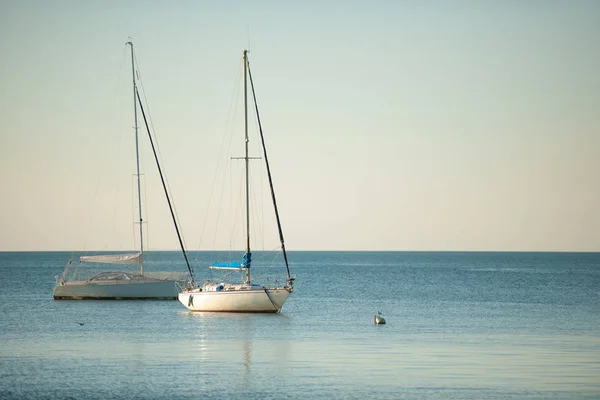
{"x": 245, "y": 263}
{"x": 232, "y": 264}
{"x": 246, "y": 260}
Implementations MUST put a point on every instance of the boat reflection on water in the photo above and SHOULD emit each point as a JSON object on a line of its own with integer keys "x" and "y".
{"x": 247, "y": 351}
{"x": 238, "y": 346}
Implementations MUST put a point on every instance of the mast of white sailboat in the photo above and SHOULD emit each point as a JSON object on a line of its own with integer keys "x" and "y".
{"x": 248, "y": 254}
{"x": 137, "y": 159}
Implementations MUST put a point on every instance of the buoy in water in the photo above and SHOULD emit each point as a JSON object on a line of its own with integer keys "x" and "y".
{"x": 378, "y": 319}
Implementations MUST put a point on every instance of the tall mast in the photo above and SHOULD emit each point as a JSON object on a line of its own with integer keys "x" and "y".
{"x": 248, "y": 254}
{"x": 137, "y": 159}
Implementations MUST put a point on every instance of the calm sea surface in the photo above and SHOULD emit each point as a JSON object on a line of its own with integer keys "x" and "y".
{"x": 460, "y": 326}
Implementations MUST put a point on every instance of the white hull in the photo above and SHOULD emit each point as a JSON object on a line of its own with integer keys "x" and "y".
{"x": 254, "y": 300}
{"x": 166, "y": 290}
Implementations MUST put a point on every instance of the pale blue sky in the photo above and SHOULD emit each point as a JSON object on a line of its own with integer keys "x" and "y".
{"x": 394, "y": 125}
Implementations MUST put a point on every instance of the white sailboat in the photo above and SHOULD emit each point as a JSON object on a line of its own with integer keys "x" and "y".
{"x": 243, "y": 296}
{"x": 78, "y": 282}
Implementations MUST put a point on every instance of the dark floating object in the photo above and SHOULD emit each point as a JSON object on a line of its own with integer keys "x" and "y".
{"x": 378, "y": 319}
{"x": 80, "y": 323}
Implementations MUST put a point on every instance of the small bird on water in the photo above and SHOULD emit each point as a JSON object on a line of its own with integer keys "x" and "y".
{"x": 378, "y": 319}
{"x": 80, "y": 323}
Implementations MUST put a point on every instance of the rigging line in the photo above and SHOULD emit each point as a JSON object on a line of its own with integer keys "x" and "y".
{"x": 237, "y": 214}
{"x": 147, "y": 217}
{"x": 262, "y": 207}
{"x": 262, "y": 139}
{"x": 254, "y": 219}
{"x": 119, "y": 140}
{"x": 160, "y": 157}
{"x": 166, "y": 192}
{"x": 216, "y": 228}
{"x": 115, "y": 90}
{"x": 228, "y": 131}
{"x": 257, "y": 196}
{"x": 134, "y": 210}
{"x": 218, "y": 218}
{"x": 219, "y": 209}
{"x": 139, "y": 79}
{"x": 257, "y": 225}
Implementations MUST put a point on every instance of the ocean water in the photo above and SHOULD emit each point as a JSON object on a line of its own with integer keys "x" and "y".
{"x": 460, "y": 326}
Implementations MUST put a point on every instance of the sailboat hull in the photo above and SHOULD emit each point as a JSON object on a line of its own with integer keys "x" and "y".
{"x": 166, "y": 290}
{"x": 244, "y": 301}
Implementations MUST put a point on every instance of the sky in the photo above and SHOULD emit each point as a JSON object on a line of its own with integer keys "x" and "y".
{"x": 390, "y": 125}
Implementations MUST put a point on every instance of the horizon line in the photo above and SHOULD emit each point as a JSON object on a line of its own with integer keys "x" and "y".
{"x": 305, "y": 250}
